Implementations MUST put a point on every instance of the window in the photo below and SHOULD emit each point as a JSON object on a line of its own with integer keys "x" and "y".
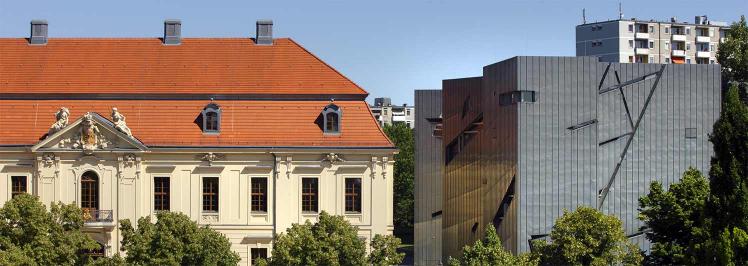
{"x": 688, "y": 46}
{"x": 211, "y": 115}
{"x": 631, "y": 27}
{"x": 161, "y": 193}
{"x": 89, "y": 191}
{"x": 309, "y": 195}
{"x": 18, "y": 185}
{"x": 353, "y": 195}
{"x": 259, "y": 194}
{"x": 667, "y": 60}
{"x": 96, "y": 253}
{"x": 667, "y": 45}
{"x": 407, "y": 112}
{"x": 651, "y": 29}
{"x": 651, "y": 59}
{"x": 513, "y": 97}
{"x": 711, "y": 61}
{"x": 711, "y": 48}
{"x": 210, "y": 194}
{"x": 631, "y": 59}
{"x": 651, "y": 45}
{"x": 688, "y": 61}
{"x": 631, "y": 43}
{"x": 257, "y": 253}
{"x": 688, "y": 31}
{"x": 691, "y": 133}
{"x": 667, "y": 29}
{"x": 331, "y": 115}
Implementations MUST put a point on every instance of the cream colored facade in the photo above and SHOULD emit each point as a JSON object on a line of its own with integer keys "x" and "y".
{"x": 126, "y": 170}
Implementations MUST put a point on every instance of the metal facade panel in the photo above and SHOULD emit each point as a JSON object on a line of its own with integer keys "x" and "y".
{"x": 428, "y": 179}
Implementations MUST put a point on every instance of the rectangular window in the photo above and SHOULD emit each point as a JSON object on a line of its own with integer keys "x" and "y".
{"x": 651, "y": 59}
{"x": 631, "y": 27}
{"x": 651, "y": 29}
{"x": 667, "y": 60}
{"x": 18, "y": 185}
{"x": 688, "y": 61}
{"x": 309, "y": 194}
{"x": 210, "y": 194}
{"x": 688, "y": 31}
{"x": 688, "y": 47}
{"x": 631, "y": 59}
{"x": 259, "y": 194}
{"x": 711, "y": 61}
{"x": 513, "y": 97}
{"x": 667, "y": 45}
{"x": 711, "y": 48}
{"x": 353, "y": 195}
{"x": 667, "y": 29}
{"x": 690, "y": 132}
{"x": 631, "y": 43}
{"x": 257, "y": 253}
{"x": 161, "y": 187}
{"x": 651, "y": 45}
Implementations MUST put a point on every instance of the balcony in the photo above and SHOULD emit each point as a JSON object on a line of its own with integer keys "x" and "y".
{"x": 98, "y": 219}
{"x": 703, "y": 39}
{"x": 679, "y": 53}
{"x": 703, "y": 54}
{"x": 679, "y": 37}
{"x": 641, "y": 35}
{"x": 641, "y": 51}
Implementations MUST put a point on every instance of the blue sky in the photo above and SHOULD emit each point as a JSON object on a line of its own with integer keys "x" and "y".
{"x": 390, "y": 48}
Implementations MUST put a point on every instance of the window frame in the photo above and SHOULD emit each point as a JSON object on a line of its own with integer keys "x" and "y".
{"x": 252, "y": 256}
{"x": 91, "y": 198}
{"x": 214, "y": 196}
{"x": 329, "y": 110}
{"x": 13, "y": 192}
{"x": 356, "y": 197}
{"x": 211, "y": 108}
{"x": 163, "y": 194}
{"x": 263, "y": 196}
{"x": 313, "y": 195}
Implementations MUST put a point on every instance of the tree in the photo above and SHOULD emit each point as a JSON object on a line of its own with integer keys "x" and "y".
{"x": 29, "y": 234}
{"x": 174, "y": 240}
{"x": 587, "y": 237}
{"x": 403, "y": 173}
{"x": 489, "y": 251}
{"x": 675, "y": 220}
{"x": 384, "y": 251}
{"x": 733, "y": 53}
{"x": 330, "y": 241}
{"x": 729, "y": 171}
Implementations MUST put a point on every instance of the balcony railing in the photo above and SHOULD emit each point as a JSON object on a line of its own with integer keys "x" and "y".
{"x": 97, "y": 216}
{"x": 679, "y": 37}
{"x": 679, "y": 53}
{"x": 703, "y": 39}
{"x": 703, "y": 54}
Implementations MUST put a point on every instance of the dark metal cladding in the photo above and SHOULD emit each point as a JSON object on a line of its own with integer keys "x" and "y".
{"x": 520, "y": 165}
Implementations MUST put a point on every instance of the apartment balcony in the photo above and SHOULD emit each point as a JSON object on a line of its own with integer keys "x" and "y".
{"x": 641, "y": 35}
{"x": 703, "y": 54}
{"x": 641, "y": 51}
{"x": 679, "y": 53}
{"x": 703, "y": 39}
{"x": 98, "y": 220}
{"x": 679, "y": 37}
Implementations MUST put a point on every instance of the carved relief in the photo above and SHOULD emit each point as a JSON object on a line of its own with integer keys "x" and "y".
{"x": 211, "y": 157}
{"x": 62, "y": 121}
{"x": 332, "y": 158}
{"x": 119, "y": 122}
{"x": 209, "y": 218}
{"x": 48, "y": 159}
{"x": 89, "y": 138}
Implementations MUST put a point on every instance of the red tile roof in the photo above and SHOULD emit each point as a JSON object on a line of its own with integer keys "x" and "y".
{"x": 172, "y": 123}
{"x": 146, "y": 66}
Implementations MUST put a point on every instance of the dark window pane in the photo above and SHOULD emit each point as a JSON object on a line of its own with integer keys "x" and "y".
{"x": 161, "y": 193}
{"x": 257, "y": 253}
{"x": 309, "y": 195}
{"x": 210, "y": 194}
{"x": 18, "y": 185}
{"x": 353, "y": 195}
{"x": 259, "y": 194}
{"x": 332, "y": 122}
{"x": 90, "y": 191}
{"x": 211, "y": 121}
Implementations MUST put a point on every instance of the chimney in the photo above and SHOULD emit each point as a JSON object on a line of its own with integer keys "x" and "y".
{"x": 172, "y": 32}
{"x": 38, "y": 32}
{"x": 264, "y": 32}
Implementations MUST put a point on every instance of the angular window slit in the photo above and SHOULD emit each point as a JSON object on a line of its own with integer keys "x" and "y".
{"x": 582, "y": 125}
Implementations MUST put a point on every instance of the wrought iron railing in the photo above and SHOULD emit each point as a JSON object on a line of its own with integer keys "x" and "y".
{"x": 97, "y": 216}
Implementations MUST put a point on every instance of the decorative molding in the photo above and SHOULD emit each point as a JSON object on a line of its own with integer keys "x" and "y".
{"x": 374, "y": 167}
{"x": 48, "y": 159}
{"x": 385, "y": 162}
{"x": 61, "y": 122}
{"x": 119, "y": 122}
{"x": 211, "y": 157}
{"x": 331, "y": 158}
{"x": 89, "y": 138}
{"x": 288, "y": 167}
{"x": 209, "y": 218}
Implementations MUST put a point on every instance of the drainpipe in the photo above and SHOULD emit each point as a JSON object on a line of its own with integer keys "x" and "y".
{"x": 275, "y": 192}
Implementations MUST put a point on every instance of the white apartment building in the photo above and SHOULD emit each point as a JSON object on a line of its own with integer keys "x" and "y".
{"x": 388, "y": 114}
{"x": 640, "y": 41}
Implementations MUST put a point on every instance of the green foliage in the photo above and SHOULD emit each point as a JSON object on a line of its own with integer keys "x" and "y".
{"x": 330, "y": 241}
{"x": 729, "y": 172}
{"x": 489, "y": 251}
{"x": 733, "y": 53}
{"x": 403, "y": 173}
{"x": 675, "y": 219}
{"x": 384, "y": 251}
{"x": 587, "y": 237}
{"x": 174, "y": 240}
{"x": 31, "y": 235}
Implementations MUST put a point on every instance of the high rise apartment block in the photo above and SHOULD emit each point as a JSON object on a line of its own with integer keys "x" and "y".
{"x": 639, "y": 41}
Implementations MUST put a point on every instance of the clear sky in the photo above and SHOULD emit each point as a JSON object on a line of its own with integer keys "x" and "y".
{"x": 388, "y": 47}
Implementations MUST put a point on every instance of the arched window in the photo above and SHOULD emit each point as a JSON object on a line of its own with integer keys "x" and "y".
{"x": 90, "y": 191}
{"x": 211, "y": 118}
{"x": 331, "y": 119}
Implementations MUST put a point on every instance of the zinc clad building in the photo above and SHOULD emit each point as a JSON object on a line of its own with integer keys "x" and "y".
{"x": 536, "y": 135}
{"x": 247, "y": 135}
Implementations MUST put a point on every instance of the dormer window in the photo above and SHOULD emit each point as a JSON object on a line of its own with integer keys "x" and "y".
{"x": 211, "y": 118}
{"x": 331, "y": 119}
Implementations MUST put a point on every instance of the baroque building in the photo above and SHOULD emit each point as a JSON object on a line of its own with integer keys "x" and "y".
{"x": 247, "y": 135}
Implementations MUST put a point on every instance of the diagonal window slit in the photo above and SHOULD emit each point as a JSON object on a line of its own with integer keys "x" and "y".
{"x": 613, "y": 139}
{"x": 582, "y": 125}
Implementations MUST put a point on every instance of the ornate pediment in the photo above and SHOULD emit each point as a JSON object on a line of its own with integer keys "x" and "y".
{"x": 89, "y": 134}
